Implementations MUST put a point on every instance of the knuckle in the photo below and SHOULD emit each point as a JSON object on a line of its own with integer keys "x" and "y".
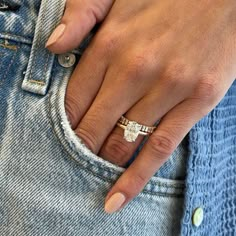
{"x": 175, "y": 75}
{"x": 86, "y": 132}
{"x": 87, "y": 138}
{"x": 72, "y": 108}
{"x": 141, "y": 179}
{"x": 108, "y": 43}
{"x": 207, "y": 90}
{"x": 117, "y": 150}
{"x": 137, "y": 182}
{"x": 162, "y": 145}
{"x": 135, "y": 67}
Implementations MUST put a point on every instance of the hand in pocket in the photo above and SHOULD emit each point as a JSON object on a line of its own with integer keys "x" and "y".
{"x": 150, "y": 61}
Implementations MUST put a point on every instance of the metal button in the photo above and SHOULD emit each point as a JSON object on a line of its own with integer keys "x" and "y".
{"x": 197, "y": 216}
{"x": 67, "y": 59}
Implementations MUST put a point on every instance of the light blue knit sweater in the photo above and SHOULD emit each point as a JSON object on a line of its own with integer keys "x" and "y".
{"x": 211, "y": 171}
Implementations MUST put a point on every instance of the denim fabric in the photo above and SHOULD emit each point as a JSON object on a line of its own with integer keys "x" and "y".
{"x": 50, "y": 183}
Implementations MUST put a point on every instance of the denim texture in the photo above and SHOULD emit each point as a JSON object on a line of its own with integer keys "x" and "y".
{"x": 51, "y": 184}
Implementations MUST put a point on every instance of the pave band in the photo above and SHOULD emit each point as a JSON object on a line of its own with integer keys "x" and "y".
{"x": 132, "y": 129}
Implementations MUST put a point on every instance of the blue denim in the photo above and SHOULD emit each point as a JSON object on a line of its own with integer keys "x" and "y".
{"x": 50, "y": 183}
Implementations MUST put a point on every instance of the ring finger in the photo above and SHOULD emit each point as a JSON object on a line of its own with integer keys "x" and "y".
{"x": 147, "y": 112}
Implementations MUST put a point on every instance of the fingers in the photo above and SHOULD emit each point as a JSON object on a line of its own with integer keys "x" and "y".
{"x": 78, "y": 20}
{"x": 171, "y": 130}
{"x": 146, "y": 112}
{"x": 84, "y": 84}
{"x": 113, "y": 98}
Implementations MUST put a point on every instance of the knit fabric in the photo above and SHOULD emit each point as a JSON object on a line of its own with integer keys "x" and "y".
{"x": 211, "y": 171}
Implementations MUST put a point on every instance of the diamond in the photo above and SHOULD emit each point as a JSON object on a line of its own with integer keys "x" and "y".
{"x": 132, "y": 131}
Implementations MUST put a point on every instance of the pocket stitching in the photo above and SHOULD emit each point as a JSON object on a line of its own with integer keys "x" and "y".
{"x": 11, "y": 59}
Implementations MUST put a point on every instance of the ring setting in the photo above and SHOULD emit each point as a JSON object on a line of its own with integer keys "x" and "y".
{"x": 132, "y": 129}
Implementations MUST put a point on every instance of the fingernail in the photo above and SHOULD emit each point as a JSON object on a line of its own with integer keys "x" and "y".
{"x": 114, "y": 202}
{"x": 57, "y": 33}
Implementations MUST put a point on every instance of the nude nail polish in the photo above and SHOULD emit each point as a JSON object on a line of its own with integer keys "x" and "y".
{"x": 57, "y": 33}
{"x": 114, "y": 202}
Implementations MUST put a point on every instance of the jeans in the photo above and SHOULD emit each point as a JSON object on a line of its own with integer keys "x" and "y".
{"x": 50, "y": 183}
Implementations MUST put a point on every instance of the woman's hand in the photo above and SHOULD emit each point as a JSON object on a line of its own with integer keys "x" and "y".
{"x": 150, "y": 60}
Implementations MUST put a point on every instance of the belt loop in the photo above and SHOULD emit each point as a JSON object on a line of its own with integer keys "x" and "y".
{"x": 37, "y": 76}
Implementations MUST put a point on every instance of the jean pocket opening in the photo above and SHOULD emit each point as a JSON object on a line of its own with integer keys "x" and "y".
{"x": 79, "y": 151}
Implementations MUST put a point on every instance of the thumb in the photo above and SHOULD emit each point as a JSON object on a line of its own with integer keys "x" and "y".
{"x": 78, "y": 20}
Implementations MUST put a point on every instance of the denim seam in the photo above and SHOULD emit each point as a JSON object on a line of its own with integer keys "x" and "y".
{"x": 9, "y": 66}
{"x": 37, "y": 82}
{"x": 15, "y": 37}
{"x": 11, "y": 47}
{"x": 172, "y": 195}
{"x": 22, "y": 39}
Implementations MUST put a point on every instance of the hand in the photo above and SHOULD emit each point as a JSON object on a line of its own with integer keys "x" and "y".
{"x": 151, "y": 60}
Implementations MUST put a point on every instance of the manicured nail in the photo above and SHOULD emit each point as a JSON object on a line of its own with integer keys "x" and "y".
{"x": 57, "y": 33}
{"x": 114, "y": 202}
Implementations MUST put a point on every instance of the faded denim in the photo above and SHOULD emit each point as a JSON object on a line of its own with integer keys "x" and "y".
{"x": 50, "y": 183}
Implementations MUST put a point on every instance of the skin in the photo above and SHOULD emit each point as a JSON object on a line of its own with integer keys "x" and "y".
{"x": 152, "y": 60}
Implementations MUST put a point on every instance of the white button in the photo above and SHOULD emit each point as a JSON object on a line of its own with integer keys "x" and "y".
{"x": 197, "y": 216}
{"x": 67, "y": 59}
